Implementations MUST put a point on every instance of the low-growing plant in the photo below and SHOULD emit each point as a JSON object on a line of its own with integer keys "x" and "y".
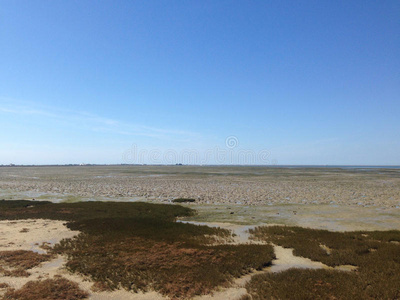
{"x": 19, "y": 261}
{"x": 49, "y": 289}
{"x": 374, "y": 254}
{"x": 139, "y": 246}
{"x": 24, "y": 209}
{"x": 183, "y": 200}
{"x": 175, "y": 259}
{"x": 299, "y": 284}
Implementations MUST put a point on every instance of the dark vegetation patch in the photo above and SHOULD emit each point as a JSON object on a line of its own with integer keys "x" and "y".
{"x": 374, "y": 253}
{"x": 151, "y": 229}
{"x": 183, "y": 200}
{"x": 175, "y": 259}
{"x": 49, "y": 289}
{"x": 139, "y": 246}
{"x": 16, "y": 263}
{"x": 24, "y": 209}
{"x": 176, "y": 269}
{"x": 346, "y": 248}
{"x": 305, "y": 284}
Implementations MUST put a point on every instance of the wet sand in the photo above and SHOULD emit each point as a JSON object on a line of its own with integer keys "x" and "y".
{"x": 31, "y": 234}
{"x": 317, "y": 216}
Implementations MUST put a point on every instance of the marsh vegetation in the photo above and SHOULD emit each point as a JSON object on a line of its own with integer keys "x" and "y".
{"x": 49, "y": 289}
{"x": 139, "y": 246}
{"x": 375, "y": 254}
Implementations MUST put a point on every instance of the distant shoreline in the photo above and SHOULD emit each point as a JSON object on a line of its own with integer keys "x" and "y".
{"x": 225, "y": 166}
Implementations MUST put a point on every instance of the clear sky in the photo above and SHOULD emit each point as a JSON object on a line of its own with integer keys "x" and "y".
{"x": 302, "y": 82}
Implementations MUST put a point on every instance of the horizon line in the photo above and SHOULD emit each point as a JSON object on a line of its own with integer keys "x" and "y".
{"x": 196, "y": 165}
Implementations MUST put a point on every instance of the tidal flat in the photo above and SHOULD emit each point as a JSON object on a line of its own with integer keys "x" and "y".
{"x": 317, "y": 197}
{"x": 114, "y": 232}
{"x": 235, "y": 185}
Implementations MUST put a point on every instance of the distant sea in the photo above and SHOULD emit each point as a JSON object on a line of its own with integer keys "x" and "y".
{"x": 338, "y": 166}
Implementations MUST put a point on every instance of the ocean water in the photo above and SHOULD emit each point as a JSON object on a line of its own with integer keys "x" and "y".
{"x": 337, "y": 166}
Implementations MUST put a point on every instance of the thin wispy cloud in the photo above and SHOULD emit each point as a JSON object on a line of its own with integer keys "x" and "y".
{"x": 26, "y": 111}
{"x": 92, "y": 121}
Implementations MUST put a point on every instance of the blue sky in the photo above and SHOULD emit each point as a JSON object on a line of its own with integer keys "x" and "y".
{"x": 309, "y": 82}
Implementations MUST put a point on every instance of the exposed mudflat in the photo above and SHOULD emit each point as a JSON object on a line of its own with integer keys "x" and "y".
{"x": 325, "y": 198}
{"x": 319, "y": 216}
{"x": 208, "y": 185}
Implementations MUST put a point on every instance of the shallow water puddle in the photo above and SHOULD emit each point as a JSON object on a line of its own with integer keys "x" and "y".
{"x": 241, "y": 232}
{"x": 286, "y": 260}
{"x": 284, "y": 256}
